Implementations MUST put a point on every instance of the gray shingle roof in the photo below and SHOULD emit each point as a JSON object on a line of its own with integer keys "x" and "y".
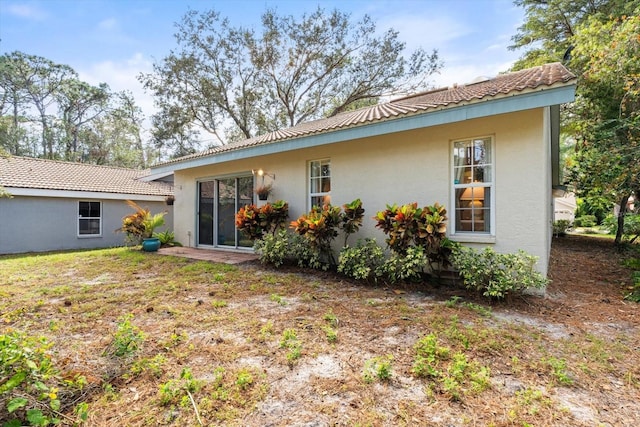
{"x": 26, "y": 172}
{"x": 531, "y": 79}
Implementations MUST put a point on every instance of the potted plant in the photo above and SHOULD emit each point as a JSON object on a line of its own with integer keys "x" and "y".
{"x": 151, "y": 243}
{"x": 140, "y": 227}
{"x": 263, "y": 191}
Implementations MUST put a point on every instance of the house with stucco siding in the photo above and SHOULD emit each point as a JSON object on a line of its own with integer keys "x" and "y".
{"x": 63, "y": 205}
{"x": 488, "y": 151}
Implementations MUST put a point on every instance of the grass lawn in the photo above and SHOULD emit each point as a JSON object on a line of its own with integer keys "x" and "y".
{"x": 147, "y": 340}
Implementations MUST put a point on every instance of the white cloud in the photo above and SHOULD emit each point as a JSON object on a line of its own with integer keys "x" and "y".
{"x": 122, "y": 75}
{"x": 26, "y": 11}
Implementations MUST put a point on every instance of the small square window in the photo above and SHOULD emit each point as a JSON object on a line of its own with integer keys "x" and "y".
{"x": 89, "y": 218}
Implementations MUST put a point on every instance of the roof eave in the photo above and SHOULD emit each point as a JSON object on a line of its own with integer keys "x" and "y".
{"x": 77, "y": 194}
{"x": 507, "y": 103}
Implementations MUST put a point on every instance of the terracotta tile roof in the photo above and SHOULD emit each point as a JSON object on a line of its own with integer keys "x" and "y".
{"x": 531, "y": 79}
{"x": 26, "y": 172}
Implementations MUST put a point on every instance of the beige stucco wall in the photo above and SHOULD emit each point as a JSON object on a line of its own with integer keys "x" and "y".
{"x": 411, "y": 166}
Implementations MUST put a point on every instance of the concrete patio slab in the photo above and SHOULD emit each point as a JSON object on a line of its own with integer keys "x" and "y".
{"x": 213, "y": 255}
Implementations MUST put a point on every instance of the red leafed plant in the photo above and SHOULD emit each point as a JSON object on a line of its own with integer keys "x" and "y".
{"x": 255, "y": 221}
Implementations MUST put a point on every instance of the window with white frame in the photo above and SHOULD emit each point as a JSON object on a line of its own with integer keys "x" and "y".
{"x": 89, "y": 218}
{"x": 473, "y": 185}
{"x": 319, "y": 182}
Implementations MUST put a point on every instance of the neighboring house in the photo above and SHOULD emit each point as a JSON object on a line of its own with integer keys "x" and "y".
{"x": 565, "y": 207}
{"x": 62, "y": 205}
{"x": 488, "y": 151}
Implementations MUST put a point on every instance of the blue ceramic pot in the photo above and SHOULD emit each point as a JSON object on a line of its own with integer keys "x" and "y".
{"x": 151, "y": 244}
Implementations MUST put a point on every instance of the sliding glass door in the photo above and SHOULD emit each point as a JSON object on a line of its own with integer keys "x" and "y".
{"x": 218, "y": 202}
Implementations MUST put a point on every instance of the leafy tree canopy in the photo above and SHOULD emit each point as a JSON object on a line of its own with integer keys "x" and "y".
{"x": 608, "y": 109}
{"x": 549, "y": 26}
{"x": 234, "y": 83}
{"x": 46, "y": 111}
{"x": 600, "y": 41}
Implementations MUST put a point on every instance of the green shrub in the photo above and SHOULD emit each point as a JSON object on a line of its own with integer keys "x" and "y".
{"x": 167, "y": 238}
{"x": 634, "y": 295}
{"x": 631, "y": 229}
{"x": 363, "y": 262}
{"x": 497, "y": 275}
{"x": 273, "y": 248}
{"x": 409, "y": 227}
{"x": 560, "y": 227}
{"x": 30, "y": 383}
{"x": 404, "y": 267}
{"x": 287, "y": 248}
{"x": 596, "y": 206}
{"x": 585, "y": 221}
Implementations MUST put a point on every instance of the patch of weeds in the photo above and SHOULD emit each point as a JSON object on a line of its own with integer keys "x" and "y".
{"x": 54, "y": 326}
{"x": 559, "y": 370}
{"x": 205, "y": 268}
{"x": 217, "y": 303}
{"x": 331, "y": 318}
{"x": 56, "y": 291}
{"x": 180, "y": 391}
{"x": 455, "y": 375}
{"x": 532, "y": 400}
{"x": 372, "y": 302}
{"x": 151, "y": 366}
{"x": 244, "y": 378}
{"x": 378, "y": 368}
{"x": 256, "y": 287}
{"x": 30, "y": 383}
{"x": 277, "y": 298}
{"x": 453, "y": 301}
{"x": 231, "y": 392}
{"x": 110, "y": 393}
{"x": 457, "y": 301}
{"x": 270, "y": 279}
{"x": 428, "y": 356}
{"x": 455, "y": 334}
{"x": 175, "y": 340}
{"x": 516, "y": 365}
{"x": 331, "y": 334}
{"x": 290, "y": 342}
{"x": 462, "y": 372}
{"x": 267, "y": 330}
{"x": 126, "y": 340}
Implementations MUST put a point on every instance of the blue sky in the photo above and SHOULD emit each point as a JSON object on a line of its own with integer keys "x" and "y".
{"x": 112, "y": 41}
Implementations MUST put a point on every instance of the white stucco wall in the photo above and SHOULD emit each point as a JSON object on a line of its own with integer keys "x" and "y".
{"x": 38, "y": 224}
{"x": 411, "y": 166}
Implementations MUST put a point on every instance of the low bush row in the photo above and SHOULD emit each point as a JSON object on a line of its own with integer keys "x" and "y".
{"x": 418, "y": 248}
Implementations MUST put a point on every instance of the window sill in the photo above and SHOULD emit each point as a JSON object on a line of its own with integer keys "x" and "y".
{"x": 472, "y": 238}
{"x": 89, "y": 236}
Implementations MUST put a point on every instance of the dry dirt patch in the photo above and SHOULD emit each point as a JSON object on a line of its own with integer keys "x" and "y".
{"x": 567, "y": 359}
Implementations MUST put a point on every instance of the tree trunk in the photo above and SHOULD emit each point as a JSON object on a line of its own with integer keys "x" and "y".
{"x": 621, "y": 211}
